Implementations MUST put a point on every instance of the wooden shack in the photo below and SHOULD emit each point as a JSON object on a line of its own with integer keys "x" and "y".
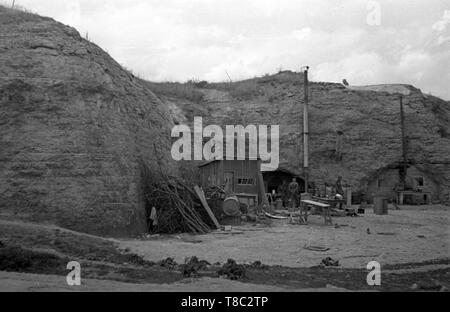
{"x": 238, "y": 177}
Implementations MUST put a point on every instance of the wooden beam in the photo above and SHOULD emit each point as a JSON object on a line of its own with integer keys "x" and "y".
{"x": 202, "y": 197}
{"x": 262, "y": 189}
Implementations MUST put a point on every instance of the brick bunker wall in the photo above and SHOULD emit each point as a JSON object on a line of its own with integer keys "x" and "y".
{"x": 74, "y": 129}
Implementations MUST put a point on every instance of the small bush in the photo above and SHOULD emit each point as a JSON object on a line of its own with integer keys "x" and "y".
{"x": 188, "y": 91}
{"x": 233, "y": 271}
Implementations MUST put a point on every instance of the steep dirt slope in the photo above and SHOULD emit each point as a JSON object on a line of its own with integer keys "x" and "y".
{"x": 368, "y": 120}
{"x": 74, "y": 128}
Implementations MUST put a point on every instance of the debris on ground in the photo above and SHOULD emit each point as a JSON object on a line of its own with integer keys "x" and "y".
{"x": 316, "y": 248}
{"x": 258, "y": 266}
{"x": 244, "y": 209}
{"x": 329, "y": 262}
{"x": 276, "y": 217}
{"x": 429, "y": 286}
{"x": 168, "y": 263}
{"x": 387, "y": 233}
{"x": 338, "y": 213}
{"x": 137, "y": 260}
{"x": 149, "y": 236}
{"x": 368, "y": 231}
{"x": 338, "y": 226}
{"x": 18, "y": 259}
{"x": 191, "y": 240}
{"x": 215, "y": 192}
{"x": 232, "y": 270}
{"x": 193, "y": 265}
{"x": 232, "y": 232}
{"x": 252, "y": 217}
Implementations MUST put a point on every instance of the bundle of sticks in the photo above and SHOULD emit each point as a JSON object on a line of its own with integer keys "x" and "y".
{"x": 177, "y": 206}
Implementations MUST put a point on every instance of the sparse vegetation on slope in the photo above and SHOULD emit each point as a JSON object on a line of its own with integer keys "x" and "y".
{"x": 188, "y": 91}
{"x": 367, "y": 119}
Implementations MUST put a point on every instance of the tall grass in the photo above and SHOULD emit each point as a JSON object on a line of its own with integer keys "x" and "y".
{"x": 18, "y": 14}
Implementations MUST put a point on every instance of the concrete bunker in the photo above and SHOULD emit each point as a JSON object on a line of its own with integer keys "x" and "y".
{"x": 420, "y": 188}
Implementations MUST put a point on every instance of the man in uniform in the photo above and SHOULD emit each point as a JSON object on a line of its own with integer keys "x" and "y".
{"x": 294, "y": 193}
{"x": 338, "y": 186}
{"x": 282, "y": 192}
{"x": 340, "y": 194}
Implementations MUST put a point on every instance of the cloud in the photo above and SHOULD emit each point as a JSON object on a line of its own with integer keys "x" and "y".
{"x": 302, "y": 34}
{"x": 205, "y": 39}
{"x": 441, "y": 25}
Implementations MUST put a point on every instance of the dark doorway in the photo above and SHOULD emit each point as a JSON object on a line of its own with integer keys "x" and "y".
{"x": 273, "y": 184}
{"x": 273, "y": 179}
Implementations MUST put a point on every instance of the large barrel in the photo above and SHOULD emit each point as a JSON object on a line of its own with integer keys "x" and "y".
{"x": 380, "y": 206}
{"x": 232, "y": 206}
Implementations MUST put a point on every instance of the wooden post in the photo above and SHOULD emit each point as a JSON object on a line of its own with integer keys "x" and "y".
{"x": 306, "y": 130}
{"x": 262, "y": 188}
{"x": 349, "y": 198}
{"x": 403, "y": 166}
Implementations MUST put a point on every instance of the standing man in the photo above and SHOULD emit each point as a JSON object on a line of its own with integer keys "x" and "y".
{"x": 282, "y": 192}
{"x": 339, "y": 188}
{"x": 294, "y": 190}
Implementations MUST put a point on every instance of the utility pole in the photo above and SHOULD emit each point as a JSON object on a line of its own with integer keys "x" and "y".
{"x": 306, "y": 130}
{"x": 231, "y": 81}
{"x": 403, "y": 166}
{"x": 13, "y": 4}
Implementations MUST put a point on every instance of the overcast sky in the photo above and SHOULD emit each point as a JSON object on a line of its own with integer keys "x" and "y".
{"x": 366, "y": 42}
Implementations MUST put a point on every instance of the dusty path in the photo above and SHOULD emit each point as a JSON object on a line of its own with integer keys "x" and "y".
{"x": 401, "y": 241}
{"x": 413, "y": 235}
{"x": 19, "y": 282}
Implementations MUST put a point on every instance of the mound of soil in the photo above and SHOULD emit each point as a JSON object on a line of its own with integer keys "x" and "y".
{"x": 17, "y": 259}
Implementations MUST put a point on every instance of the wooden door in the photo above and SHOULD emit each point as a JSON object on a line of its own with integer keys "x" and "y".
{"x": 229, "y": 182}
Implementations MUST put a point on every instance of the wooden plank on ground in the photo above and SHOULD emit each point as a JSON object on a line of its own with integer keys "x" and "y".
{"x": 202, "y": 197}
{"x": 275, "y": 217}
{"x": 314, "y": 203}
{"x": 316, "y": 248}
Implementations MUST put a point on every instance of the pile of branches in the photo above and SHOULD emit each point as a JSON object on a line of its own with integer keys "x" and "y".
{"x": 177, "y": 205}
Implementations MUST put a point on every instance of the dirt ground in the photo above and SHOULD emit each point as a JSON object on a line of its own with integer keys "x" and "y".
{"x": 19, "y": 282}
{"x": 412, "y": 246}
{"x": 412, "y": 234}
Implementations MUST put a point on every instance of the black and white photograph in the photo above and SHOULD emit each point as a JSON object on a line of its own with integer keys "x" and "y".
{"x": 210, "y": 147}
